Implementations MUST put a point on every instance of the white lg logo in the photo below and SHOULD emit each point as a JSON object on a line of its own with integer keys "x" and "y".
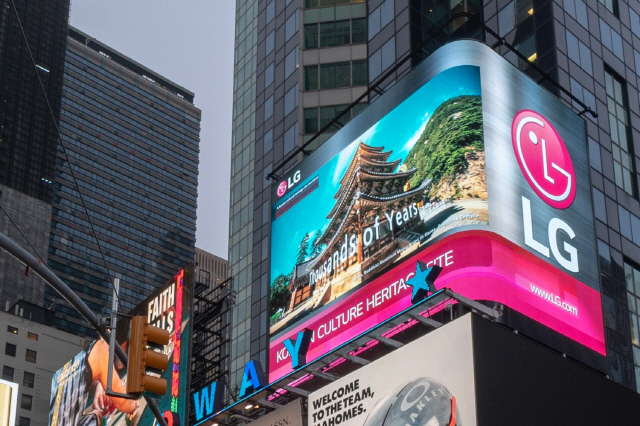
{"x": 546, "y": 165}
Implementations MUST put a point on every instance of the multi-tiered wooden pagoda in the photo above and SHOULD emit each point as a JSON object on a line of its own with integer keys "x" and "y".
{"x": 368, "y": 189}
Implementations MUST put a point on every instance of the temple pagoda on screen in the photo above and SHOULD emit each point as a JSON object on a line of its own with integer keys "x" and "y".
{"x": 371, "y": 221}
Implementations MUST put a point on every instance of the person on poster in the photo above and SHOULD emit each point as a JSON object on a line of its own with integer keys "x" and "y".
{"x": 84, "y": 376}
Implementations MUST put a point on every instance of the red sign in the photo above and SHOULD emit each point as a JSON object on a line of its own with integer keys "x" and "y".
{"x": 543, "y": 159}
{"x": 480, "y": 265}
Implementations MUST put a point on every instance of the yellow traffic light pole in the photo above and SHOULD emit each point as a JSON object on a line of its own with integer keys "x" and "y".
{"x": 140, "y": 358}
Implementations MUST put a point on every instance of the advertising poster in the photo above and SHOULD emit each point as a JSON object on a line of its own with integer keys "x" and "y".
{"x": 78, "y": 388}
{"x": 430, "y": 383}
{"x": 8, "y": 402}
{"x": 466, "y": 164}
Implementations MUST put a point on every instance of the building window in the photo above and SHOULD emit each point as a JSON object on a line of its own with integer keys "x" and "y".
{"x": 335, "y": 33}
{"x": 311, "y": 78}
{"x": 26, "y": 402}
{"x": 359, "y": 73}
{"x": 30, "y": 356}
{"x": 32, "y": 336}
{"x": 10, "y": 350}
{"x": 622, "y": 149}
{"x": 12, "y": 330}
{"x": 268, "y": 107}
{"x": 632, "y": 278}
{"x": 316, "y": 118}
{"x": 311, "y": 36}
{"x": 28, "y": 379}
{"x": 291, "y": 100}
{"x": 528, "y": 49}
{"x": 268, "y": 76}
{"x": 611, "y": 5}
{"x": 308, "y": 4}
{"x": 381, "y": 17}
{"x": 291, "y": 138}
{"x": 335, "y": 75}
{"x": 291, "y": 26}
{"x": 7, "y": 373}
{"x": 270, "y": 42}
{"x": 311, "y": 121}
{"x": 524, "y": 10}
{"x": 24, "y": 421}
{"x": 271, "y": 11}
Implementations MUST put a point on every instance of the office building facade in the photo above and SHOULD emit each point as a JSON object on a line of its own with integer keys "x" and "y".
{"x": 591, "y": 48}
{"x": 32, "y": 351}
{"x": 295, "y": 71}
{"x": 28, "y": 138}
{"x": 132, "y": 139}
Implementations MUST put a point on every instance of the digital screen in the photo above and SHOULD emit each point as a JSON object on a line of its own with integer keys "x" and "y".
{"x": 78, "y": 388}
{"x": 466, "y": 164}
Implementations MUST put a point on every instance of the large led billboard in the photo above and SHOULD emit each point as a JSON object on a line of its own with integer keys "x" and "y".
{"x": 465, "y": 163}
{"x": 78, "y": 388}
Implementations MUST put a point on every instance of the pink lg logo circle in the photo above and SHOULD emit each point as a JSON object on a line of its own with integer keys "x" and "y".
{"x": 282, "y": 188}
{"x": 543, "y": 159}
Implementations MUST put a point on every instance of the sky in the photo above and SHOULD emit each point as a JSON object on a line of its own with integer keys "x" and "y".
{"x": 189, "y": 42}
{"x": 398, "y": 132}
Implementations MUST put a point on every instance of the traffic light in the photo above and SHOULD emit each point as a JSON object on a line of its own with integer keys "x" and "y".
{"x": 140, "y": 357}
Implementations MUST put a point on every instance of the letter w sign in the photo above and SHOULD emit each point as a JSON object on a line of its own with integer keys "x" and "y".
{"x": 208, "y": 400}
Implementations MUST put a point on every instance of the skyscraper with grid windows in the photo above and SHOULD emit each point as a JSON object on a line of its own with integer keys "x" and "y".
{"x": 28, "y": 138}
{"x": 300, "y": 62}
{"x": 132, "y": 138}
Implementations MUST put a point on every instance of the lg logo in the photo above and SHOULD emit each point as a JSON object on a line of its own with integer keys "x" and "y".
{"x": 288, "y": 184}
{"x": 543, "y": 159}
{"x": 546, "y": 165}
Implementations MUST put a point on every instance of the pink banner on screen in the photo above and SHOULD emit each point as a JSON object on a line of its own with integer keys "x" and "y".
{"x": 480, "y": 265}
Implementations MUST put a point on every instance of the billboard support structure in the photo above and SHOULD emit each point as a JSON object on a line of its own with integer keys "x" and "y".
{"x": 74, "y": 300}
{"x": 112, "y": 339}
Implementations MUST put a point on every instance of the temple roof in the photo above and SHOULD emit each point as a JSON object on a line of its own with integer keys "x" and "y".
{"x": 365, "y": 201}
{"x": 389, "y": 181}
{"x": 370, "y": 167}
{"x": 367, "y": 175}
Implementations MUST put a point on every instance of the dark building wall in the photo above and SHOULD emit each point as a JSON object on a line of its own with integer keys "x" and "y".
{"x": 27, "y": 132}
{"x": 518, "y": 382}
{"x": 132, "y": 138}
{"x": 32, "y": 217}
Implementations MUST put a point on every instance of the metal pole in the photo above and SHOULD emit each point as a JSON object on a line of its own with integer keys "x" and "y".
{"x": 112, "y": 327}
{"x": 74, "y": 300}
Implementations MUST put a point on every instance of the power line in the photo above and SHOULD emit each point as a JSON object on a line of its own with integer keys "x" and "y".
{"x": 64, "y": 150}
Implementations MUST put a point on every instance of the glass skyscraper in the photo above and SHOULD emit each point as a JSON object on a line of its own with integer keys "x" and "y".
{"x": 27, "y": 134}
{"x": 308, "y": 59}
{"x": 132, "y": 138}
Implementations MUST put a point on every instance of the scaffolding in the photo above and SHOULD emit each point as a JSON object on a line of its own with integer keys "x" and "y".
{"x": 212, "y": 305}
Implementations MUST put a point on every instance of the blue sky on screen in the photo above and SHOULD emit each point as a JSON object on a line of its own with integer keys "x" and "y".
{"x": 397, "y": 132}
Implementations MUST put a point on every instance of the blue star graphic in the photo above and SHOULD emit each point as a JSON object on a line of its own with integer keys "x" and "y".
{"x": 423, "y": 281}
